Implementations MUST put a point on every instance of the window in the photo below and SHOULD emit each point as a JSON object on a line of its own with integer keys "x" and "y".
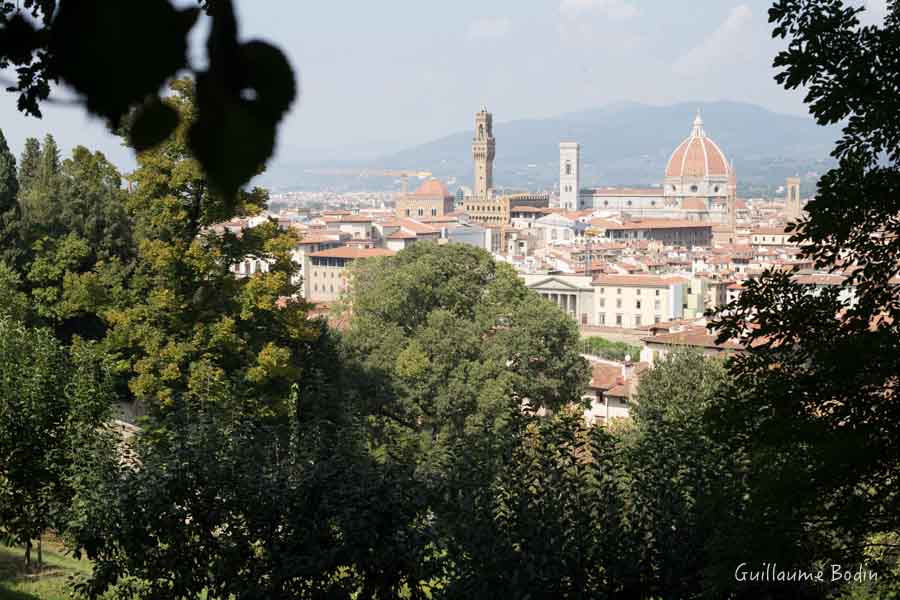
{"x": 602, "y": 290}
{"x": 420, "y": 212}
{"x": 637, "y": 320}
{"x": 656, "y": 305}
{"x": 689, "y": 291}
{"x": 601, "y": 319}
{"x": 619, "y": 291}
{"x": 602, "y": 302}
{"x": 433, "y": 212}
{"x": 657, "y": 318}
{"x": 568, "y": 169}
{"x": 693, "y": 188}
{"x": 637, "y": 304}
{"x": 637, "y": 292}
{"x": 657, "y": 292}
{"x": 619, "y": 320}
{"x": 618, "y": 303}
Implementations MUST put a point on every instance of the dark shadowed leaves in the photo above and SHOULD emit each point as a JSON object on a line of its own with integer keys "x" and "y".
{"x": 19, "y": 38}
{"x": 241, "y": 99}
{"x": 111, "y": 52}
{"x": 153, "y": 122}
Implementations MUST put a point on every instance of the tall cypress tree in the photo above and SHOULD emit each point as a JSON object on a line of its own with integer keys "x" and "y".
{"x": 48, "y": 168}
{"x": 9, "y": 205}
{"x": 29, "y": 164}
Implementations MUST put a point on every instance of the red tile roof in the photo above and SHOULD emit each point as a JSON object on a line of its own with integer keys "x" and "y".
{"x": 433, "y": 187}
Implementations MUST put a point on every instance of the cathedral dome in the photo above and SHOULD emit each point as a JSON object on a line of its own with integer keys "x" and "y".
{"x": 698, "y": 157}
{"x": 433, "y": 187}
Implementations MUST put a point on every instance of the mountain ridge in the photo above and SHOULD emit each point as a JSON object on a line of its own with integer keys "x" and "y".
{"x": 626, "y": 143}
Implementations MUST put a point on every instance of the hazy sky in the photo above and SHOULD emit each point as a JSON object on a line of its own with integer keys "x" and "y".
{"x": 380, "y": 75}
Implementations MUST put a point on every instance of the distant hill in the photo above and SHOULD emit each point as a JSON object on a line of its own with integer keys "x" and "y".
{"x": 625, "y": 144}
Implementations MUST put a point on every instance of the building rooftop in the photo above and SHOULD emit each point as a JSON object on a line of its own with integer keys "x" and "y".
{"x": 660, "y": 224}
{"x": 353, "y": 253}
{"x": 638, "y": 280}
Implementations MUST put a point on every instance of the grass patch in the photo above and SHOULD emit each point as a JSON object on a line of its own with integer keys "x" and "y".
{"x": 608, "y": 349}
{"x": 50, "y": 582}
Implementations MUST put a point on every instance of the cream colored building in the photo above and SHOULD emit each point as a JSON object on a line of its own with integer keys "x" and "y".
{"x": 638, "y": 300}
{"x": 670, "y": 232}
{"x": 311, "y": 243}
{"x": 769, "y": 236}
{"x": 326, "y": 271}
{"x": 572, "y": 293}
{"x": 431, "y": 200}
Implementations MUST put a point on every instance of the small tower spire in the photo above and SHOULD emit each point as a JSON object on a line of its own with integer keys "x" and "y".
{"x": 698, "y": 126}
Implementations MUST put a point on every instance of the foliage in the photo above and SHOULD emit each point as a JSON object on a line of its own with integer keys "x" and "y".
{"x": 51, "y": 404}
{"x": 448, "y": 341}
{"x": 189, "y": 325}
{"x": 609, "y": 349}
{"x": 9, "y": 207}
{"x": 242, "y": 96}
{"x": 551, "y": 523}
{"x": 73, "y": 247}
{"x": 821, "y": 419}
{"x": 293, "y": 504}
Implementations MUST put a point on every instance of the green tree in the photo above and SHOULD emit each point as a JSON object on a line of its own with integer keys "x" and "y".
{"x": 52, "y": 403}
{"x": 76, "y": 246}
{"x": 448, "y": 341}
{"x": 821, "y": 421}
{"x": 9, "y": 206}
{"x": 40, "y": 199}
{"x": 189, "y": 324}
{"x": 552, "y": 522}
{"x": 29, "y": 164}
{"x": 293, "y": 503}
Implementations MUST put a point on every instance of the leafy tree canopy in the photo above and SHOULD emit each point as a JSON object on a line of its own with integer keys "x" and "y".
{"x": 821, "y": 418}
{"x": 241, "y": 97}
{"x": 449, "y": 341}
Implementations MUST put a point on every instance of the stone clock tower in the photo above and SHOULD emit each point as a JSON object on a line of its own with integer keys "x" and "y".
{"x": 483, "y": 154}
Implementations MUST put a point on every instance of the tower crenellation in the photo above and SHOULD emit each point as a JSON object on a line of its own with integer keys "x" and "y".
{"x": 483, "y": 148}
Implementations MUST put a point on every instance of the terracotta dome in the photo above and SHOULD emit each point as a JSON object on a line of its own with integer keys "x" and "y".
{"x": 698, "y": 156}
{"x": 433, "y": 187}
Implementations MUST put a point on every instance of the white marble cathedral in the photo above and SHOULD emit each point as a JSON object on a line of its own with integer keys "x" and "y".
{"x": 699, "y": 184}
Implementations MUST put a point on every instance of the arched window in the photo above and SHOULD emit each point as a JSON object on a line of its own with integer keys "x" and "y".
{"x": 568, "y": 168}
{"x": 693, "y": 188}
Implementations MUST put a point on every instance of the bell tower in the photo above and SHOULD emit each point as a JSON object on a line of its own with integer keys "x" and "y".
{"x": 483, "y": 154}
{"x": 793, "y": 207}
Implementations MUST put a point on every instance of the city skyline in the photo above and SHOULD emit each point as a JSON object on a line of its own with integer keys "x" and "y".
{"x": 400, "y": 75}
